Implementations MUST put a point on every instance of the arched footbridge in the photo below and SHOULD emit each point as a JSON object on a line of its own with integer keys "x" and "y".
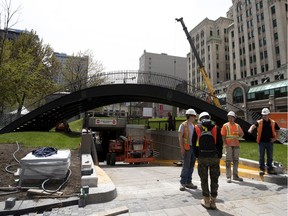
{"x": 134, "y": 87}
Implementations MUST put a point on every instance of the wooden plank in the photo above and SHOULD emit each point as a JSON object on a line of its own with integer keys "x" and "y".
{"x": 112, "y": 212}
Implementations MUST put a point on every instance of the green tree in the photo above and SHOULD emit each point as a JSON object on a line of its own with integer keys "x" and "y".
{"x": 7, "y": 17}
{"x": 30, "y": 68}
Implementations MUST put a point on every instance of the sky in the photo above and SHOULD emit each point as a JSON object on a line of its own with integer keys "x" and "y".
{"x": 116, "y": 31}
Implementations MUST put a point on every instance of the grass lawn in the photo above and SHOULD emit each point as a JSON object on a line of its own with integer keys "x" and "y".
{"x": 52, "y": 138}
{"x": 40, "y": 139}
{"x": 249, "y": 150}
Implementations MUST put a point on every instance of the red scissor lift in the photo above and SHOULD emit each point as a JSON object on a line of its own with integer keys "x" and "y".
{"x": 130, "y": 151}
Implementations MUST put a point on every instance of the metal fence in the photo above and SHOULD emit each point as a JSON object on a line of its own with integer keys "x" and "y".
{"x": 126, "y": 77}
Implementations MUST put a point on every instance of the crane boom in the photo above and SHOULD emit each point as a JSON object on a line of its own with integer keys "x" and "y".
{"x": 202, "y": 69}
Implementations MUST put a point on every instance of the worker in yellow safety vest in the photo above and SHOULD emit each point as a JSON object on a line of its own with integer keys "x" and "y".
{"x": 267, "y": 133}
{"x": 231, "y": 133}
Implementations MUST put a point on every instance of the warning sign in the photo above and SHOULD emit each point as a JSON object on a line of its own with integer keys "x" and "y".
{"x": 106, "y": 121}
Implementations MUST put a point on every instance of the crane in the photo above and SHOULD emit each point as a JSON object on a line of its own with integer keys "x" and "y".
{"x": 202, "y": 69}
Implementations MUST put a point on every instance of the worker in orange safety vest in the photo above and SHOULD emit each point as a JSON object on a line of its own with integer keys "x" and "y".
{"x": 231, "y": 132}
{"x": 267, "y": 133}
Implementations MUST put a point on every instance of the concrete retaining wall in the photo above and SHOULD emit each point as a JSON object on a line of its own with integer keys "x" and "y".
{"x": 166, "y": 143}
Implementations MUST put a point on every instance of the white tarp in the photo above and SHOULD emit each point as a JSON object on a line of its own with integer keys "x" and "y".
{"x": 51, "y": 167}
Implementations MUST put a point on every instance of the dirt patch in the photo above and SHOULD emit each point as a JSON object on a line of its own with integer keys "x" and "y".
{"x": 7, "y": 179}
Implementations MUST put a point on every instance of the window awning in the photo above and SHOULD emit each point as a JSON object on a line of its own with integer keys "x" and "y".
{"x": 268, "y": 86}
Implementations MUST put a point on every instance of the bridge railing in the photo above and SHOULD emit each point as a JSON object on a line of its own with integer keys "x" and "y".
{"x": 125, "y": 77}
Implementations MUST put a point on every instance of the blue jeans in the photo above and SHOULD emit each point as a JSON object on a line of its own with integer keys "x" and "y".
{"x": 268, "y": 146}
{"x": 188, "y": 167}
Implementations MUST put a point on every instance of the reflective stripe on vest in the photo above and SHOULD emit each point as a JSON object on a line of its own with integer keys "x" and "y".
{"x": 260, "y": 128}
{"x": 233, "y": 139}
{"x": 198, "y": 132}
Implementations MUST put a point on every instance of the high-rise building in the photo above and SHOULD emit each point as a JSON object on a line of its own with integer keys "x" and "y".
{"x": 173, "y": 66}
{"x": 77, "y": 65}
{"x": 211, "y": 42}
{"x": 164, "y": 64}
{"x": 247, "y": 48}
{"x": 250, "y": 45}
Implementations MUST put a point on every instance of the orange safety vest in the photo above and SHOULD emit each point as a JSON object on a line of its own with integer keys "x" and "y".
{"x": 198, "y": 132}
{"x": 260, "y": 127}
{"x": 232, "y": 137}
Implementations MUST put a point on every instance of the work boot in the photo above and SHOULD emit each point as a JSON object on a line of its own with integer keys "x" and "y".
{"x": 205, "y": 202}
{"x": 237, "y": 178}
{"x": 229, "y": 180}
{"x": 213, "y": 203}
{"x": 182, "y": 187}
{"x": 272, "y": 172}
{"x": 262, "y": 172}
{"x": 191, "y": 186}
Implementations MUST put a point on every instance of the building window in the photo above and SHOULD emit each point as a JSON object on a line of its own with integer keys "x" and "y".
{"x": 265, "y": 54}
{"x": 277, "y": 50}
{"x": 276, "y": 36}
{"x": 278, "y": 64}
{"x": 261, "y": 56}
{"x": 238, "y": 95}
{"x": 265, "y": 80}
{"x": 273, "y": 9}
{"x": 255, "y": 82}
{"x": 261, "y": 4}
{"x": 211, "y": 33}
{"x": 279, "y": 77}
{"x": 274, "y": 23}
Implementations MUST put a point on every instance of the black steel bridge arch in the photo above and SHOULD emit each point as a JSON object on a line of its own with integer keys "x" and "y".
{"x": 47, "y": 116}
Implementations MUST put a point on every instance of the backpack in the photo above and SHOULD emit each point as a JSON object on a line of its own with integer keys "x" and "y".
{"x": 207, "y": 147}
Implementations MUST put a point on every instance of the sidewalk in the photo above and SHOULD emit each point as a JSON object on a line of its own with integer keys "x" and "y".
{"x": 154, "y": 190}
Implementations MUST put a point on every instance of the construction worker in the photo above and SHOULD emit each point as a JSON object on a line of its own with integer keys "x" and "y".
{"x": 185, "y": 134}
{"x": 267, "y": 133}
{"x": 231, "y": 132}
{"x": 207, "y": 145}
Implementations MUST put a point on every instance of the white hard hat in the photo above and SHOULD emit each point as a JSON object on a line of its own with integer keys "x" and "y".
{"x": 202, "y": 114}
{"x": 231, "y": 113}
{"x": 265, "y": 111}
{"x": 191, "y": 112}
